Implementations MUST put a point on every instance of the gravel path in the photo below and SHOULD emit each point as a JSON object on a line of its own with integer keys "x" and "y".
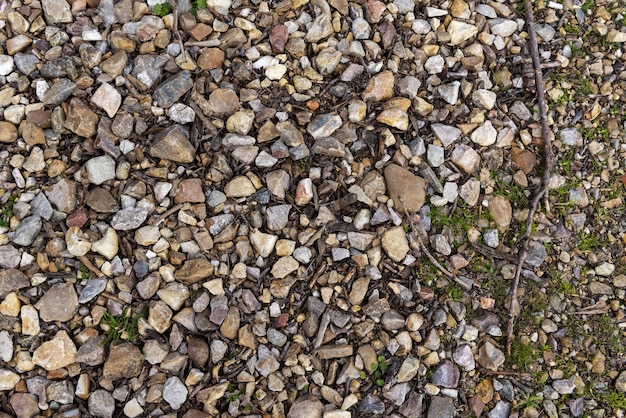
{"x": 309, "y": 209}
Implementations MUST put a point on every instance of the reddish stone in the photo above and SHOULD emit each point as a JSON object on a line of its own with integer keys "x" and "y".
{"x": 190, "y": 190}
{"x": 78, "y": 218}
{"x": 281, "y": 321}
{"x": 425, "y": 293}
{"x": 278, "y": 38}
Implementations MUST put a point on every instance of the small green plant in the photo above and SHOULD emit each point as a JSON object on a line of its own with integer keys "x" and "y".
{"x": 6, "y": 213}
{"x": 123, "y": 327}
{"x": 588, "y": 242}
{"x": 379, "y": 368}
{"x": 614, "y": 399}
{"x": 247, "y": 408}
{"x": 522, "y": 355}
{"x": 162, "y": 9}
{"x": 529, "y": 400}
{"x": 84, "y": 272}
{"x": 454, "y": 293}
{"x": 233, "y": 393}
{"x": 197, "y": 5}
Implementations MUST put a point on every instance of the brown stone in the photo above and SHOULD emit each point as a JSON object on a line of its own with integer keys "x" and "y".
{"x": 194, "y": 270}
{"x": 33, "y": 134}
{"x": 101, "y": 201}
{"x": 211, "y": 58}
{"x": 81, "y": 119}
{"x": 224, "y": 102}
{"x": 173, "y": 144}
{"x": 125, "y": 361}
{"x": 524, "y": 159}
{"x": 190, "y": 190}
{"x": 407, "y": 190}
{"x": 8, "y": 132}
{"x": 12, "y": 280}
{"x": 380, "y": 87}
{"x": 278, "y": 38}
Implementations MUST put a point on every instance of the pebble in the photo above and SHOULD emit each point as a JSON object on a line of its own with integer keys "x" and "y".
{"x": 466, "y": 158}
{"x": 107, "y": 98}
{"x": 173, "y": 144}
{"x": 49, "y": 308}
{"x": 100, "y": 169}
{"x": 27, "y": 231}
{"x": 490, "y": 357}
{"x": 485, "y": 135}
{"x": 464, "y": 357}
{"x": 380, "y": 87}
{"x": 441, "y": 407}
{"x": 101, "y": 404}
{"x": 129, "y": 218}
{"x": 58, "y": 352}
{"x": 172, "y": 89}
{"x": 174, "y": 392}
{"x": 306, "y": 407}
{"x": 395, "y": 243}
{"x": 124, "y": 361}
{"x": 446, "y": 375}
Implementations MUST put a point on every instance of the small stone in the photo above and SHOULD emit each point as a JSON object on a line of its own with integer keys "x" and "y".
{"x": 304, "y": 192}
{"x": 434, "y": 64}
{"x": 181, "y": 113}
{"x": 446, "y": 375}
{"x": 239, "y": 187}
{"x": 100, "y": 169}
{"x": 484, "y": 98}
{"x": 485, "y": 135}
{"x": 129, "y": 218}
{"x": 491, "y": 238}
{"x": 464, "y": 357}
{"x": 107, "y": 98}
{"x": 446, "y": 134}
{"x": 278, "y": 38}
{"x": 620, "y": 382}
{"x": 490, "y": 357}
{"x": 380, "y": 87}
{"x": 92, "y": 289}
{"x": 441, "y": 407}
{"x": 6, "y": 347}
{"x": 78, "y": 243}
{"x": 571, "y": 137}
{"x": 59, "y": 92}
{"x": 108, "y": 245}
{"x": 395, "y": 243}
{"x": 395, "y": 118}
{"x": 332, "y": 351}
{"x": 8, "y": 132}
{"x": 323, "y": 126}
{"x": 615, "y": 36}
{"x": 407, "y": 190}
{"x": 450, "y": 92}
{"x": 501, "y": 211}
{"x": 605, "y": 269}
{"x": 124, "y": 361}
{"x": 284, "y": 266}
{"x": 56, "y": 353}
{"x": 240, "y": 122}
{"x": 466, "y": 158}
{"x": 173, "y": 144}
{"x": 49, "y": 307}
{"x": 172, "y": 89}
{"x": 440, "y": 244}
{"x": 174, "y": 392}
{"x": 81, "y": 119}
{"x": 101, "y": 404}
{"x": 223, "y": 102}
{"x": 503, "y": 27}
{"x": 57, "y": 11}
{"x": 306, "y": 407}
{"x": 190, "y": 190}
{"x": 194, "y": 270}
{"x": 461, "y": 32}
{"x": 7, "y": 64}
{"x": 27, "y": 231}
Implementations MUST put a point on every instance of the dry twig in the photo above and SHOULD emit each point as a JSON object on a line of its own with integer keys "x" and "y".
{"x": 548, "y": 158}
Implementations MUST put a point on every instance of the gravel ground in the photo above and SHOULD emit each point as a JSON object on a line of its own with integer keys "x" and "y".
{"x": 309, "y": 208}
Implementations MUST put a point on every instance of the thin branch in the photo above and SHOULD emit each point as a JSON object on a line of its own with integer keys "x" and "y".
{"x": 548, "y": 160}
{"x": 451, "y": 276}
{"x": 174, "y": 7}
